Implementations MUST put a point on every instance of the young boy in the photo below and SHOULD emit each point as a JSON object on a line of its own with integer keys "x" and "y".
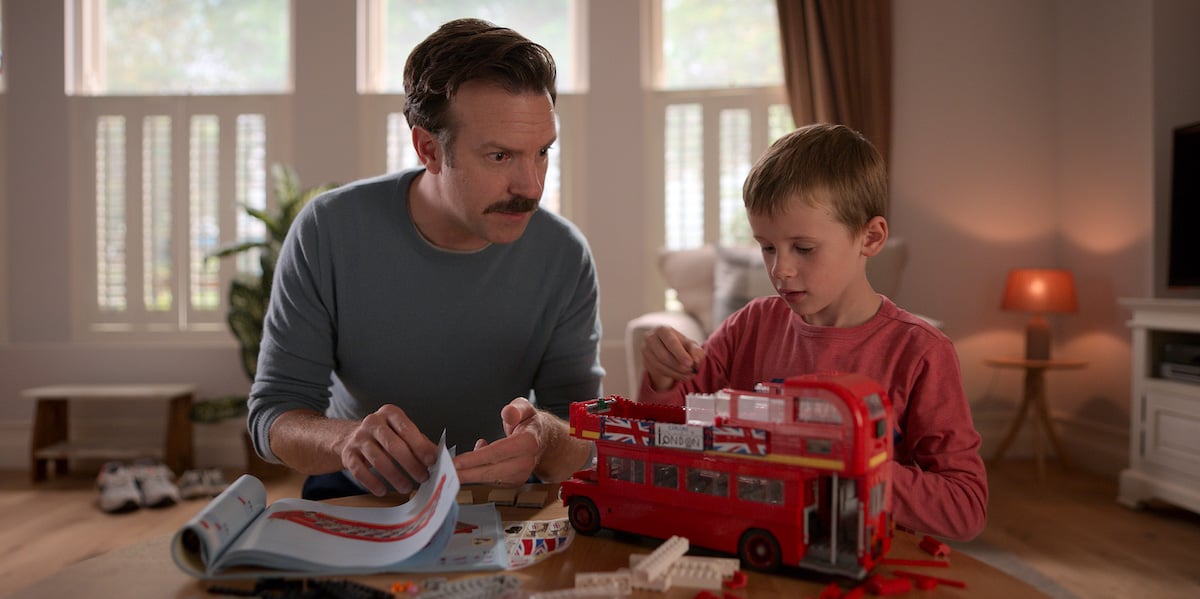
{"x": 815, "y": 202}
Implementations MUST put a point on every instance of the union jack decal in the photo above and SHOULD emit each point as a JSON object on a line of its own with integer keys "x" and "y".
{"x": 739, "y": 439}
{"x": 628, "y": 430}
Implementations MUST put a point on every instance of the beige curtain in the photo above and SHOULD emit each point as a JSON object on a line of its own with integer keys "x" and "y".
{"x": 837, "y": 64}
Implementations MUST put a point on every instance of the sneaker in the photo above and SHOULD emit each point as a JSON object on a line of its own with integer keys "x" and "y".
{"x": 195, "y": 484}
{"x": 118, "y": 489}
{"x": 215, "y": 481}
{"x": 154, "y": 481}
{"x": 192, "y": 485}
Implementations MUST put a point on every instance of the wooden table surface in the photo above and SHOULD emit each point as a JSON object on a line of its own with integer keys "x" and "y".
{"x": 146, "y": 569}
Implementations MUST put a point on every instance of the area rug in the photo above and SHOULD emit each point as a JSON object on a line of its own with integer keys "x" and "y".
{"x": 1013, "y": 566}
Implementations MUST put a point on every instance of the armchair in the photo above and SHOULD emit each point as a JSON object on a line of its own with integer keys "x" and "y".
{"x": 711, "y": 282}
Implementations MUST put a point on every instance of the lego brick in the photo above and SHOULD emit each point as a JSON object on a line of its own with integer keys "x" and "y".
{"x": 502, "y": 496}
{"x": 531, "y": 498}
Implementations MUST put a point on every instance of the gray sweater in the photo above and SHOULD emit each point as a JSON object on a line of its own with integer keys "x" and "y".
{"x": 365, "y": 312}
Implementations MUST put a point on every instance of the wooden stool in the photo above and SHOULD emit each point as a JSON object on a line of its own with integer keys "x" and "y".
{"x": 50, "y": 439}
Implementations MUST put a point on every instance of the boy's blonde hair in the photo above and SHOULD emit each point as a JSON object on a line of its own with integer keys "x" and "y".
{"x": 834, "y": 158}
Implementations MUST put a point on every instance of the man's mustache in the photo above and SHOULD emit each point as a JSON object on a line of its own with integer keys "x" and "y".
{"x": 513, "y": 205}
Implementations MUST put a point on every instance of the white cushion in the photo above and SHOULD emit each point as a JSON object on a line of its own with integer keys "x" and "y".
{"x": 690, "y": 273}
{"x": 739, "y": 276}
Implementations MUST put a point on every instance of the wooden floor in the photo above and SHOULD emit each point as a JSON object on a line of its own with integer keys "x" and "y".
{"x": 1068, "y": 528}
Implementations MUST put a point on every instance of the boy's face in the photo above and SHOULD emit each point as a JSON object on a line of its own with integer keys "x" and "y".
{"x": 817, "y": 265}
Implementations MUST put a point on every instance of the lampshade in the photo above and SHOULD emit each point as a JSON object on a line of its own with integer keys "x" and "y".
{"x": 1040, "y": 290}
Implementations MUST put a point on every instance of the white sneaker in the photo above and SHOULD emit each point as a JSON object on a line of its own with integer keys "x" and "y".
{"x": 118, "y": 489}
{"x": 192, "y": 485}
{"x": 195, "y": 484}
{"x": 214, "y": 481}
{"x": 154, "y": 481}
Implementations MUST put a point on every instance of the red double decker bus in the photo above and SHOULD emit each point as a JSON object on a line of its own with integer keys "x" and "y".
{"x": 792, "y": 473}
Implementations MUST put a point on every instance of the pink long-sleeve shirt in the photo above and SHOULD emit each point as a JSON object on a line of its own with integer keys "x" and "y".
{"x": 939, "y": 481}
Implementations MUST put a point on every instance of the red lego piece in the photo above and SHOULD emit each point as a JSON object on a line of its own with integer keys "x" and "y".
{"x": 934, "y": 547}
{"x": 930, "y": 563}
{"x": 885, "y": 587}
{"x": 737, "y": 581}
{"x": 831, "y": 591}
{"x": 922, "y": 578}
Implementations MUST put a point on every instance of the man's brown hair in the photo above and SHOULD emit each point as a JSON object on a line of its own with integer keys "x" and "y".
{"x": 833, "y": 158}
{"x": 470, "y": 50}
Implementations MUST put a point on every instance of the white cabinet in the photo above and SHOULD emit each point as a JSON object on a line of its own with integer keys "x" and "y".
{"x": 1164, "y": 448}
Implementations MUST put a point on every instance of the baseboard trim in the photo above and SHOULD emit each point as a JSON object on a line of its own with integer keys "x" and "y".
{"x": 1092, "y": 446}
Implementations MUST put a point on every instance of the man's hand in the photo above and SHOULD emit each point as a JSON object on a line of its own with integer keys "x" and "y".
{"x": 386, "y": 447}
{"x": 669, "y": 356}
{"x": 507, "y": 462}
{"x": 537, "y": 442}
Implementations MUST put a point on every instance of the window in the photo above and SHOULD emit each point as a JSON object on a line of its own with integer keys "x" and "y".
{"x": 721, "y": 105}
{"x": 180, "y": 115}
{"x": 394, "y": 27}
{"x": 626, "y": 469}
{"x": 761, "y": 490}
{"x": 666, "y": 476}
{"x": 708, "y": 482}
{"x": 153, "y": 47}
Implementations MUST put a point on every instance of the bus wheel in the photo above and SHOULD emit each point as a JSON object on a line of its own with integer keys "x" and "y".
{"x": 584, "y": 516}
{"x": 759, "y": 550}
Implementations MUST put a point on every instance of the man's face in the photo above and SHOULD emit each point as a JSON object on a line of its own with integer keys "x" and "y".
{"x": 493, "y": 180}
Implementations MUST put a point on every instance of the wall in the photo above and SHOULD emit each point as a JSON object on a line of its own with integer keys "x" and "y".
{"x": 1027, "y": 132}
{"x": 1105, "y": 191}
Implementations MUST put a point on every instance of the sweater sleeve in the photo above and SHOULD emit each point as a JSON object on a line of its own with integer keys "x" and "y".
{"x": 939, "y": 480}
{"x": 570, "y": 371}
{"x": 296, "y": 357}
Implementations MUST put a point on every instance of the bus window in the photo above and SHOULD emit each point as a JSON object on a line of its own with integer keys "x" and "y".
{"x": 666, "y": 476}
{"x": 761, "y": 490}
{"x": 761, "y": 409}
{"x": 819, "y": 407}
{"x": 626, "y": 469}
{"x": 874, "y": 406}
{"x": 708, "y": 482}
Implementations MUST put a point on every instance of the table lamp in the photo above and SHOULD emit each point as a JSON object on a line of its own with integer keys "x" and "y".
{"x": 1039, "y": 290}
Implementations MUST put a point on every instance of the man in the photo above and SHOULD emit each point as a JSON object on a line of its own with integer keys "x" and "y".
{"x": 426, "y": 300}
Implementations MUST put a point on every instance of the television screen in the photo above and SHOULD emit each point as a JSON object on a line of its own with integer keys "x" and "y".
{"x": 1183, "y": 257}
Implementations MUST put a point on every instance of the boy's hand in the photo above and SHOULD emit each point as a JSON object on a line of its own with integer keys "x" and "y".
{"x": 669, "y": 356}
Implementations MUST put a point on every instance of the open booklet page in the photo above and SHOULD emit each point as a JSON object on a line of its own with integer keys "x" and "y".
{"x": 308, "y": 537}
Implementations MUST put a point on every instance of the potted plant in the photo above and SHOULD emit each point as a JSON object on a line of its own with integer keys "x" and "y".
{"x": 249, "y": 295}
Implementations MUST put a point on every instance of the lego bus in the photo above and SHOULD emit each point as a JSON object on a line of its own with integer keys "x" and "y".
{"x": 793, "y": 473}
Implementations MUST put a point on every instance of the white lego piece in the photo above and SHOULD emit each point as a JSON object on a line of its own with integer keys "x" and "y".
{"x": 726, "y": 566}
{"x": 600, "y": 591}
{"x": 650, "y": 573}
{"x": 620, "y": 578}
{"x": 656, "y": 564}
